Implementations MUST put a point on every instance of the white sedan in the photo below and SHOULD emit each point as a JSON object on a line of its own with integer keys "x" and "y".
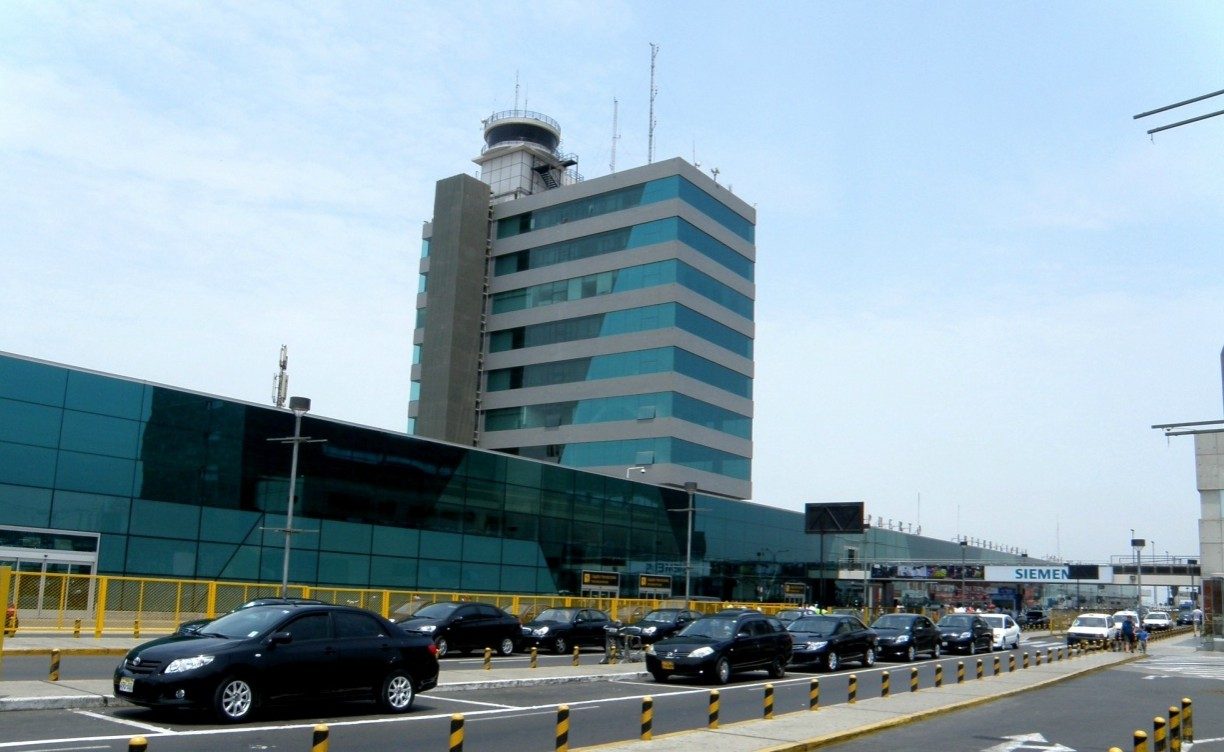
{"x": 1157, "y": 620}
{"x": 1006, "y": 631}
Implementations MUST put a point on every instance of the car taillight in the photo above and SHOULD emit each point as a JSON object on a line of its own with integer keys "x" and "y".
{"x": 433, "y": 649}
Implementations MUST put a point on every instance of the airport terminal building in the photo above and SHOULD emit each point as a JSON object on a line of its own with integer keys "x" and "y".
{"x": 112, "y": 475}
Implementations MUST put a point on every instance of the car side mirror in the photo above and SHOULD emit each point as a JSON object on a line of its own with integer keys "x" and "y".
{"x": 280, "y": 638}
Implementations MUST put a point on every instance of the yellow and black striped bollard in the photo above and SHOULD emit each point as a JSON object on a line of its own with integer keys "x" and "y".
{"x": 1187, "y": 715}
{"x": 647, "y": 718}
{"x": 960, "y": 672}
{"x": 562, "y": 728}
{"x": 981, "y": 669}
{"x": 1011, "y": 663}
{"x": 136, "y": 628}
{"x": 814, "y": 694}
{"x": 55, "y": 664}
{"x": 998, "y": 665}
{"x": 885, "y": 684}
{"x": 713, "y": 713}
{"x": 488, "y": 659}
{"x": 319, "y": 738}
{"x": 913, "y": 680}
{"x": 769, "y": 702}
{"x": 1037, "y": 658}
{"x": 76, "y": 628}
{"x": 1024, "y": 662}
{"x": 938, "y": 675}
{"x": 535, "y": 658}
{"x": 575, "y": 655}
{"x": 853, "y": 689}
{"x": 1140, "y": 741}
{"x": 456, "y": 733}
{"x": 1175, "y": 738}
{"x": 1160, "y": 734}
{"x": 138, "y": 744}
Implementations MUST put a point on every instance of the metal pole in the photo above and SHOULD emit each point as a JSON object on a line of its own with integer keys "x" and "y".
{"x": 297, "y": 435}
{"x": 689, "y": 488}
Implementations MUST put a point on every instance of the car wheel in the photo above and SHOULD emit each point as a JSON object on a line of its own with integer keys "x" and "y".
{"x": 973, "y": 647}
{"x": 506, "y": 647}
{"x": 443, "y": 646}
{"x": 660, "y": 676}
{"x": 869, "y": 658}
{"x": 777, "y": 669}
{"x": 937, "y": 650}
{"x": 909, "y": 654}
{"x": 397, "y": 692}
{"x": 234, "y": 700}
{"x": 832, "y": 661}
{"x": 721, "y": 671}
{"x": 559, "y": 645}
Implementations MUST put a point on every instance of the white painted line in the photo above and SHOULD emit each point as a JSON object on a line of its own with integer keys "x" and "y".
{"x": 126, "y": 722}
{"x": 475, "y": 702}
{"x": 67, "y": 749}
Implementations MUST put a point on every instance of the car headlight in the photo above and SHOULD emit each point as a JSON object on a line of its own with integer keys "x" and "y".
{"x": 650, "y": 649}
{"x": 903, "y": 639}
{"x": 427, "y": 627}
{"x": 650, "y": 630}
{"x": 179, "y": 665}
{"x": 540, "y": 631}
{"x": 964, "y": 635}
{"x": 702, "y": 652}
{"x": 817, "y": 645}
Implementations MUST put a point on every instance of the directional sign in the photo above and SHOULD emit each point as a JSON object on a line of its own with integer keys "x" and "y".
{"x": 1027, "y": 741}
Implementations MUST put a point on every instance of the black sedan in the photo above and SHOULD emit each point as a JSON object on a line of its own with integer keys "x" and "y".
{"x": 466, "y": 626}
{"x": 827, "y": 641}
{"x": 716, "y": 646}
{"x": 660, "y": 623}
{"x": 905, "y": 636}
{"x": 559, "y": 629}
{"x": 190, "y": 627}
{"x": 967, "y": 633}
{"x": 270, "y": 654}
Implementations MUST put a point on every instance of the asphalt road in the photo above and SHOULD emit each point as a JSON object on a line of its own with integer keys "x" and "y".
{"x": 520, "y": 718}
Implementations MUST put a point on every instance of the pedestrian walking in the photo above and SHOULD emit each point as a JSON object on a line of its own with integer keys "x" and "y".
{"x": 1128, "y": 635}
{"x": 1197, "y": 617}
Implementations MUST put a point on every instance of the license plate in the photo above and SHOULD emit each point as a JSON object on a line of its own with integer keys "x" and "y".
{"x": 668, "y": 665}
{"x": 126, "y": 684}
{"x": 945, "y": 643}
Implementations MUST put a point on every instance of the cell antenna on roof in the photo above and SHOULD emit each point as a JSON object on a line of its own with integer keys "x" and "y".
{"x": 615, "y": 135}
{"x": 280, "y": 382}
{"x": 516, "y": 89}
{"x": 654, "y": 90}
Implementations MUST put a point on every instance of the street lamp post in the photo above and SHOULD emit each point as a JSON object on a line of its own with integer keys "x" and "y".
{"x": 690, "y": 488}
{"x": 1138, "y": 544}
{"x": 964, "y": 543}
{"x": 300, "y": 406}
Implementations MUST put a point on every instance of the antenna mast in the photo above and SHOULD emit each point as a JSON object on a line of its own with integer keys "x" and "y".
{"x": 280, "y": 382}
{"x": 654, "y": 90}
{"x": 615, "y": 135}
{"x": 516, "y": 91}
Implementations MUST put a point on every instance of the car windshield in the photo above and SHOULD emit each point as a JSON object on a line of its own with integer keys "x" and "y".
{"x": 1158, "y": 615}
{"x": 1097, "y": 622}
{"x": 714, "y": 628}
{"x": 662, "y": 614}
{"x": 556, "y": 614}
{"x": 893, "y": 621}
{"x": 956, "y": 621}
{"x": 248, "y": 622}
{"x": 995, "y": 620}
{"x": 820, "y": 625}
{"x": 435, "y": 611}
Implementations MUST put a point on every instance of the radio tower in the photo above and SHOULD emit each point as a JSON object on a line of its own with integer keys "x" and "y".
{"x": 615, "y": 135}
{"x": 280, "y": 382}
{"x": 654, "y": 90}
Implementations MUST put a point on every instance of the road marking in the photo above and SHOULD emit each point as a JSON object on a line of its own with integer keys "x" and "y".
{"x": 126, "y": 722}
{"x": 66, "y": 749}
{"x": 474, "y": 702}
{"x": 1027, "y": 741}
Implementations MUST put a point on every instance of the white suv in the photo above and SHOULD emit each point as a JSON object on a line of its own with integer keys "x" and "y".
{"x": 1092, "y": 627}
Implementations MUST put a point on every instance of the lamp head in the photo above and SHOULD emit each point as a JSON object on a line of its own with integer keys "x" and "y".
{"x": 299, "y": 405}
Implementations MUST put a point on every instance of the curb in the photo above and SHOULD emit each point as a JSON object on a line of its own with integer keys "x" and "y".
{"x": 66, "y": 702}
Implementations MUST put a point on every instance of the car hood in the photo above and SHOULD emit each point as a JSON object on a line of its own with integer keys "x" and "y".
{"x": 547, "y": 623}
{"x": 644, "y": 624}
{"x": 417, "y": 623}
{"x": 955, "y": 630}
{"x": 178, "y": 646}
{"x": 890, "y": 631}
{"x": 805, "y": 635}
{"x": 685, "y": 644}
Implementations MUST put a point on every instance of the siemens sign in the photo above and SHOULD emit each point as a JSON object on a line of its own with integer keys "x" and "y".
{"x": 1066, "y": 573}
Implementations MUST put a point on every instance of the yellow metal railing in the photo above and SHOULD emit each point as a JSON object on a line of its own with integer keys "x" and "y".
{"x": 113, "y": 605}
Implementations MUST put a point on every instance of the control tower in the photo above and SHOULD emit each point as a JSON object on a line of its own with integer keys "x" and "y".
{"x": 520, "y": 156}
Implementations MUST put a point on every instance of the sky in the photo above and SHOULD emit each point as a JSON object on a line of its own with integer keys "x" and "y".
{"x": 979, "y": 282}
